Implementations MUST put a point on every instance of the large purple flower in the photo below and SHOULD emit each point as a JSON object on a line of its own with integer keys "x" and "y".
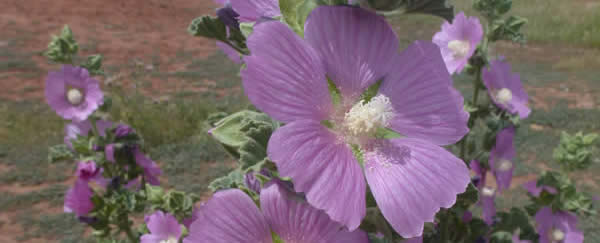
{"x": 501, "y": 158}
{"x": 78, "y": 199}
{"x": 230, "y": 216}
{"x": 83, "y": 128}
{"x": 557, "y": 227}
{"x": 72, "y": 93}
{"x": 410, "y": 177}
{"x": 458, "y": 41}
{"x": 163, "y": 227}
{"x": 505, "y": 88}
{"x": 151, "y": 169}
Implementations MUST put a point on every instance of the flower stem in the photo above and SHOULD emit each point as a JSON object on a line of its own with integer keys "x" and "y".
{"x": 471, "y": 122}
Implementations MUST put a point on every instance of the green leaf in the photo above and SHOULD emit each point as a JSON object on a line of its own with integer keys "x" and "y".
{"x": 93, "y": 64}
{"x": 295, "y": 12}
{"x": 515, "y": 219}
{"x": 232, "y": 180}
{"x": 209, "y": 27}
{"x": 492, "y": 9}
{"x": 62, "y": 48}
{"x": 60, "y": 152}
{"x": 440, "y": 8}
{"x": 509, "y": 29}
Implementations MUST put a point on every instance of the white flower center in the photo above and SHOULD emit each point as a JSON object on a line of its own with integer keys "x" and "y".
{"x": 558, "y": 235}
{"x": 74, "y": 96}
{"x": 171, "y": 239}
{"x": 488, "y": 191}
{"x": 504, "y": 165}
{"x": 459, "y": 48}
{"x": 504, "y": 96}
{"x": 365, "y": 118}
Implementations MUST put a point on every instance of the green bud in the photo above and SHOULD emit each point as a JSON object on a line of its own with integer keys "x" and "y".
{"x": 93, "y": 64}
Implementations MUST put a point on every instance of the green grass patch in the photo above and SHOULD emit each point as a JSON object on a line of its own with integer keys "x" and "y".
{"x": 51, "y": 227}
{"x": 54, "y": 195}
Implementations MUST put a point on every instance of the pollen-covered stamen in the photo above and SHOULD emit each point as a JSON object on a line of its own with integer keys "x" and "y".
{"x": 74, "y": 96}
{"x": 459, "y": 48}
{"x": 504, "y": 165}
{"x": 171, "y": 239}
{"x": 488, "y": 191}
{"x": 557, "y": 235}
{"x": 504, "y": 96}
{"x": 364, "y": 118}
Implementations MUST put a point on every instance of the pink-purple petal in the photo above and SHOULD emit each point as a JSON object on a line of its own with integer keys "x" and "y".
{"x": 488, "y": 206}
{"x": 357, "y": 46}
{"x": 294, "y": 220}
{"x": 252, "y": 10}
{"x": 411, "y": 180}
{"x": 566, "y": 222}
{"x": 503, "y": 152}
{"x": 533, "y": 189}
{"x": 284, "y": 75}
{"x": 323, "y": 167}
{"x": 162, "y": 226}
{"x": 425, "y": 103}
{"x": 230, "y": 216}
{"x": 231, "y": 53}
{"x": 57, "y": 84}
{"x": 78, "y": 199}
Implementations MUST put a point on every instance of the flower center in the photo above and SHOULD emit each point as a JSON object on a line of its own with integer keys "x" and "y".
{"x": 365, "y": 117}
{"x": 558, "y": 235}
{"x": 504, "y": 165}
{"x": 171, "y": 239}
{"x": 488, "y": 191}
{"x": 504, "y": 96}
{"x": 459, "y": 48}
{"x": 74, "y": 96}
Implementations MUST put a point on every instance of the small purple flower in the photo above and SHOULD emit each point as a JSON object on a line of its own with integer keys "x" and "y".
{"x": 557, "y": 227}
{"x": 458, "y": 41}
{"x": 123, "y": 130}
{"x": 487, "y": 197}
{"x": 78, "y": 199}
{"x": 252, "y": 182}
{"x": 467, "y": 216}
{"x": 230, "y": 216}
{"x": 501, "y": 158}
{"x": 88, "y": 171}
{"x": 533, "y": 189}
{"x": 228, "y": 16}
{"x": 83, "y": 128}
{"x": 505, "y": 88}
{"x": 151, "y": 169}
{"x": 163, "y": 228}
{"x": 72, "y": 93}
{"x": 109, "y": 152}
{"x": 411, "y": 177}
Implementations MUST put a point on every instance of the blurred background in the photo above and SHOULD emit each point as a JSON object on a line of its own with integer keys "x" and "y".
{"x": 169, "y": 82}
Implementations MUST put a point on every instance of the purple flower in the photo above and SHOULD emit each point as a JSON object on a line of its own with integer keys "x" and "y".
{"x": 123, "y": 130}
{"x": 163, "y": 228}
{"x": 505, "y": 88}
{"x": 467, "y": 216}
{"x": 557, "y": 227}
{"x": 109, "y": 152}
{"x": 533, "y": 189}
{"x": 458, "y": 41}
{"x": 83, "y": 128}
{"x": 487, "y": 197}
{"x": 410, "y": 177}
{"x": 151, "y": 169}
{"x": 72, "y": 93}
{"x": 252, "y": 182}
{"x": 230, "y": 216}
{"x": 501, "y": 158}
{"x": 228, "y": 16}
{"x": 78, "y": 199}
{"x": 88, "y": 171}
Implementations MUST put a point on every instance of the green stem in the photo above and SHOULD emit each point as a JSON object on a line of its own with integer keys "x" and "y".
{"x": 243, "y": 52}
{"x": 94, "y": 127}
{"x": 471, "y": 122}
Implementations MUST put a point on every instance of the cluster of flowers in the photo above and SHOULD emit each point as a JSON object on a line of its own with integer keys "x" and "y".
{"x": 339, "y": 142}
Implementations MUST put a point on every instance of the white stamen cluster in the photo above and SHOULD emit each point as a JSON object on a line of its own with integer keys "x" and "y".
{"x": 488, "y": 191}
{"x": 365, "y": 118}
{"x": 557, "y": 235}
{"x": 460, "y": 48}
{"x": 171, "y": 239}
{"x": 504, "y": 96}
{"x": 74, "y": 96}
{"x": 504, "y": 165}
